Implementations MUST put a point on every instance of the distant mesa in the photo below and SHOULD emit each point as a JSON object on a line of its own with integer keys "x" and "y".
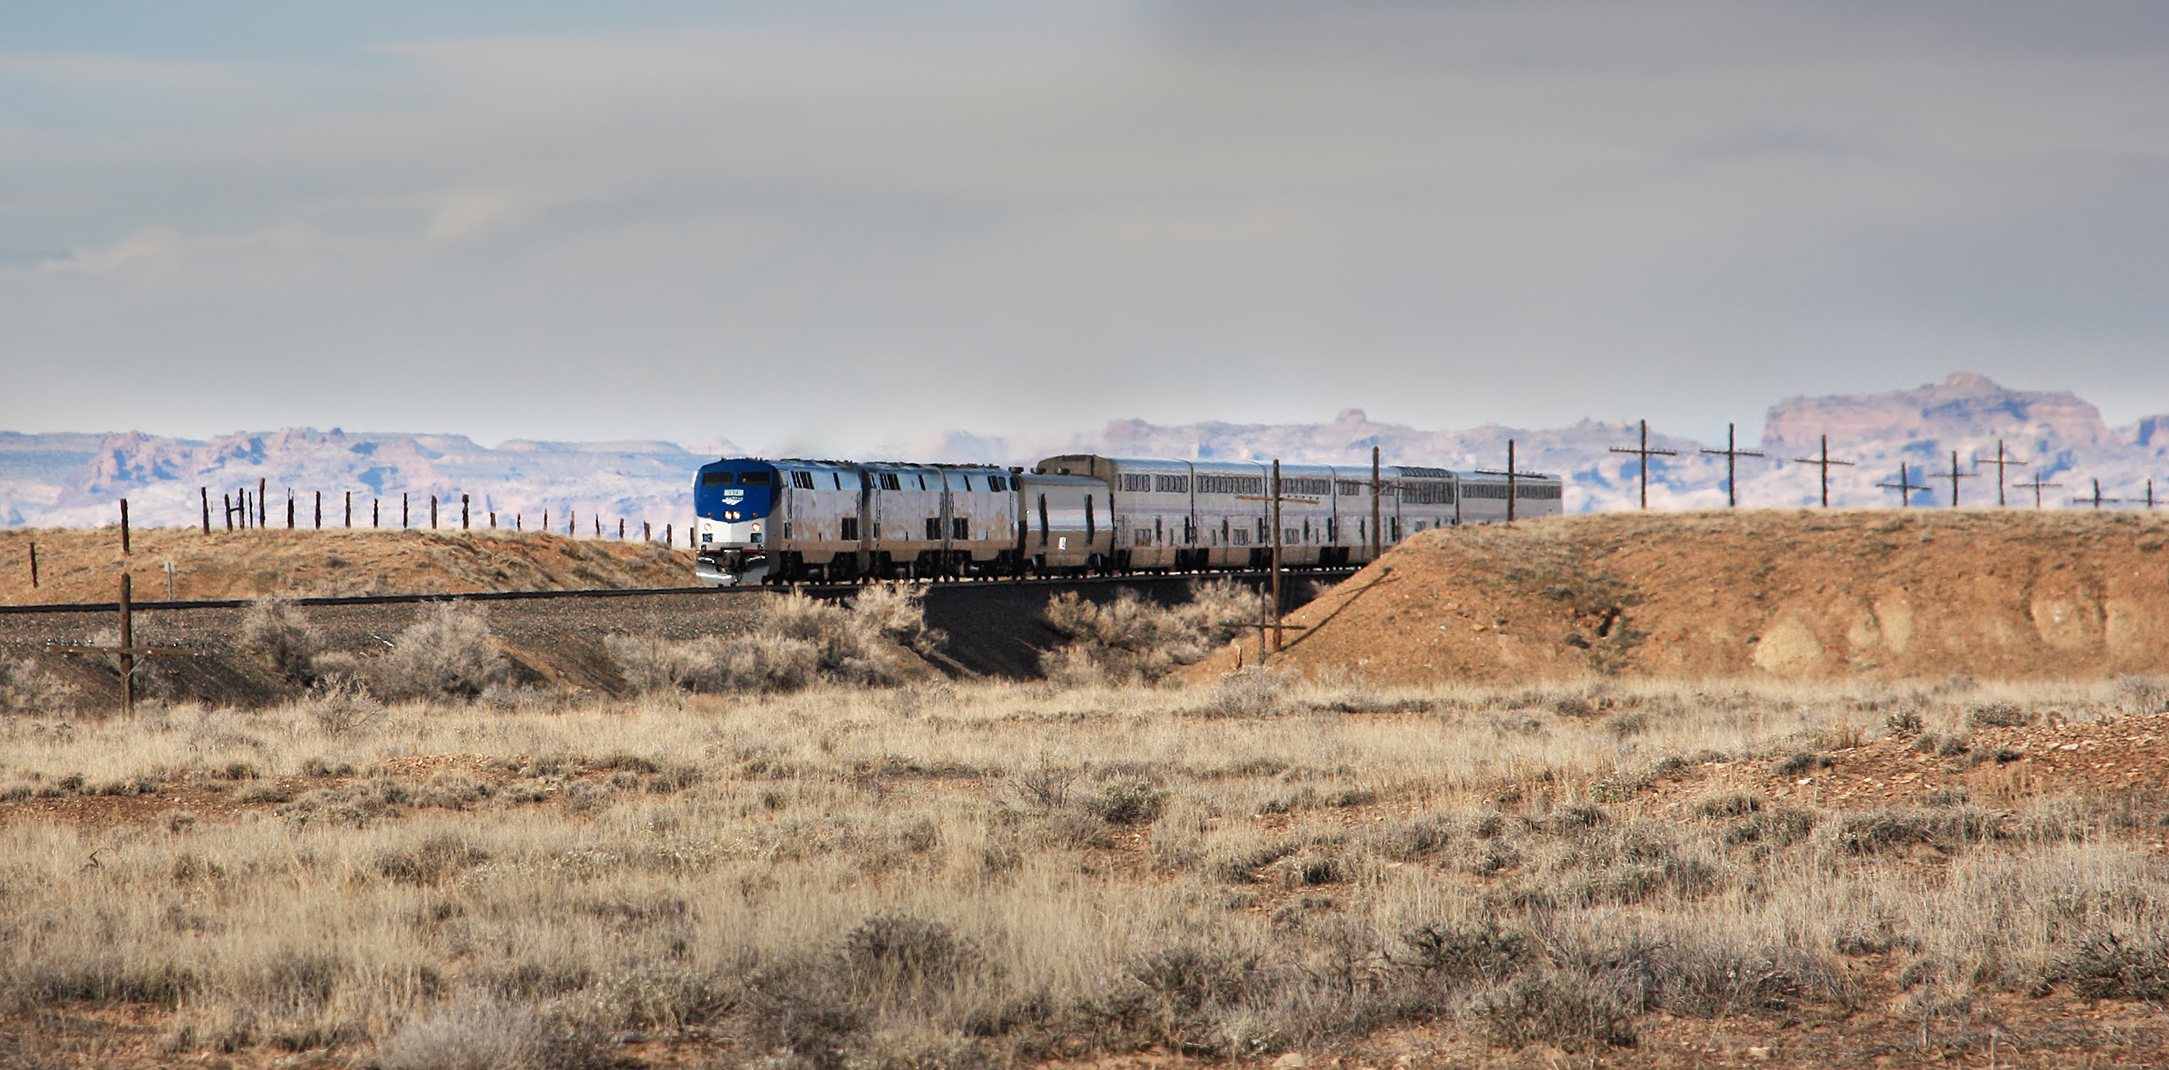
{"x": 1965, "y": 406}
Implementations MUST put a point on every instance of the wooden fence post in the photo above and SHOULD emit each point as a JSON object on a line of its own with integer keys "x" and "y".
{"x": 229, "y": 510}
{"x": 647, "y": 534}
{"x": 432, "y": 512}
{"x": 406, "y": 512}
{"x": 206, "y": 491}
{"x": 33, "y": 566}
{"x": 375, "y": 517}
{"x": 319, "y": 510}
{"x": 621, "y": 529}
{"x": 463, "y": 526}
{"x": 289, "y": 508}
{"x": 263, "y": 519}
{"x": 124, "y": 526}
{"x": 350, "y": 509}
{"x": 128, "y": 644}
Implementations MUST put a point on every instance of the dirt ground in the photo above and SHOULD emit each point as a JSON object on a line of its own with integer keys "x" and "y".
{"x": 1754, "y": 593}
{"x": 85, "y": 565}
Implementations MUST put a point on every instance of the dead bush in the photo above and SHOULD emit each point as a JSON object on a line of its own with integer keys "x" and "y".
{"x": 26, "y": 687}
{"x": 447, "y": 652}
{"x": 275, "y": 630}
{"x": 2119, "y": 966}
{"x": 1569, "y": 1010}
{"x": 429, "y": 862}
{"x": 1133, "y": 640}
{"x": 341, "y": 709}
{"x": 2147, "y": 694}
{"x": 488, "y": 1036}
{"x": 1127, "y": 802}
{"x": 897, "y": 612}
{"x": 1465, "y": 954}
{"x": 1998, "y": 715}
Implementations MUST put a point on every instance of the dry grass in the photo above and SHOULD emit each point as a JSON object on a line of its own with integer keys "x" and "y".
{"x": 947, "y": 875}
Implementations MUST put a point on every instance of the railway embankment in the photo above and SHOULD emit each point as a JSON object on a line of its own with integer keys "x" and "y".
{"x": 85, "y": 565}
{"x": 1793, "y": 594}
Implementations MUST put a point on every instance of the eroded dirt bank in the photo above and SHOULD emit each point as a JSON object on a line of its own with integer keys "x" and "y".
{"x": 1788, "y": 594}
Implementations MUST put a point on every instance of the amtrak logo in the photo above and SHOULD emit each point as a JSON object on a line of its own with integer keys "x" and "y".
{"x": 733, "y": 496}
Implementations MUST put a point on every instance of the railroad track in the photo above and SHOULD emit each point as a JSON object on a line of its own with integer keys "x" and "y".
{"x": 817, "y": 589}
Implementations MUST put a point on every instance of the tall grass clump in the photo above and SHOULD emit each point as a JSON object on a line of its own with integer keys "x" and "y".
{"x": 1131, "y": 640}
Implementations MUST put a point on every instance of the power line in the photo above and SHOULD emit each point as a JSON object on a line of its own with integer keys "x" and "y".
{"x": 1954, "y": 475}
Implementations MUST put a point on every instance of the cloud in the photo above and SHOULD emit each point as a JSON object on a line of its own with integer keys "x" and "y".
{"x": 1036, "y": 220}
{"x": 473, "y": 214}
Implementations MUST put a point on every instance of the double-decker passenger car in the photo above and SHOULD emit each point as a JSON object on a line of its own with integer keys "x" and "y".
{"x": 838, "y": 520}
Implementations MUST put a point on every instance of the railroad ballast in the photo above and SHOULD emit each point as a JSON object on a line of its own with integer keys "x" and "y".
{"x": 784, "y": 520}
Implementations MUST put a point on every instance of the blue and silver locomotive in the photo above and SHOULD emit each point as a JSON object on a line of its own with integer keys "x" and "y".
{"x": 776, "y": 521}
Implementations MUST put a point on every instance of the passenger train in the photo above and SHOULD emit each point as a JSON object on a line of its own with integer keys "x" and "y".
{"x": 776, "y": 521}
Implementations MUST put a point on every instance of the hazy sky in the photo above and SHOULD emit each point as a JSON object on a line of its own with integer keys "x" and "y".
{"x": 835, "y": 224}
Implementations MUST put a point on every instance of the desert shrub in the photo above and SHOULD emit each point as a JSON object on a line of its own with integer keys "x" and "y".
{"x": 1458, "y": 955}
{"x": 1801, "y": 764}
{"x": 487, "y": 1036}
{"x": 1998, "y": 715}
{"x": 889, "y": 952}
{"x": 897, "y": 612}
{"x": 1127, "y": 802}
{"x": 2118, "y": 966}
{"x": 1133, "y": 640}
{"x": 1877, "y": 831}
{"x": 275, "y": 630}
{"x": 799, "y": 641}
{"x": 342, "y": 708}
{"x": 1249, "y": 692}
{"x": 447, "y": 652}
{"x": 26, "y": 687}
{"x": 1567, "y": 1009}
{"x": 430, "y": 861}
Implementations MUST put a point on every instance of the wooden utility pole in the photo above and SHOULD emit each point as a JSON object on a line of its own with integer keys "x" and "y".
{"x": 1824, "y": 462}
{"x": 124, "y": 526}
{"x": 1732, "y": 454}
{"x": 127, "y": 651}
{"x": 2002, "y": 462}
{"x": 1645, "y": 453}
{"x": 1904, "y": 486}
{"x": 1513, "y": 475}
{"x": 1378, "y": 541}
{"x": 2097, "y": 501}
{"x": 1276, "y": 557}
{"x": 1954, "y": 475}
{"x": 2036, "y": 487}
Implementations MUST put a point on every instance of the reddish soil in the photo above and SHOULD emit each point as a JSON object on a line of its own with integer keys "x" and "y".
{"x": 85, "y": 566}
{"x": 1762, "y": 593}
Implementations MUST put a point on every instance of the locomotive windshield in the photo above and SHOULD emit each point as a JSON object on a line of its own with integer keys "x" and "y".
{"x": 734, "y": 490}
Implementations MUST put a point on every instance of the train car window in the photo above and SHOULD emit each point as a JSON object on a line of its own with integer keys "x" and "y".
{"x": 715, "y": 479}
{"x": 967, "y": 482}
{"x": 922, "y": 481}
{"x": 960, "y": 528}
{"x": 839, "y": 479}
{"x": 1264, "y": 532}
{"x": 997, "y": 483}
{"x": 1043, "y": 520}
{"x": 1089, "y": 527}
{"x": 1158, "y": 530}
{"x": 850, "y": 531}
{"x": 888, "y": 481}
{"x": 1141, "y": 484}
{"x": 752, "y": 479}
{"x": 933, "y": 528}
